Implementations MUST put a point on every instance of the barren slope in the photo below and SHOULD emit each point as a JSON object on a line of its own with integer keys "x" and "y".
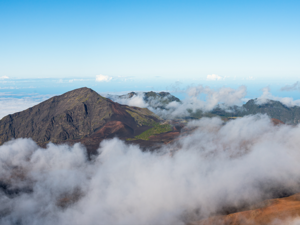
{"x": 274, "y": 211}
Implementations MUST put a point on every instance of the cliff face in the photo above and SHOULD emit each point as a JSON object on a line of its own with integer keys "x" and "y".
{"x": 76, "y": 115}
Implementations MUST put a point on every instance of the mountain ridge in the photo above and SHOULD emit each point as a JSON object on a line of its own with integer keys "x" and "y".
{"x": 274, "y": 109}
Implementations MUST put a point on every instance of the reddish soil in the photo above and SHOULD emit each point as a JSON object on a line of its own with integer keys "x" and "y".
{"x": 276, "y": 121}
{"x": 117, "y": 128}
{"x": 118, "y": 108}
{"x": 275, "y": 211}
{"x": 165, "y": 137}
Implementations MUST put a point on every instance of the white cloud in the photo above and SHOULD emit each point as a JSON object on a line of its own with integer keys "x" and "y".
{"x": 103, "y": 78}
{"x": 4, "y": 77}
{"x": 213, "y": 77}
{"x": 135, "y": 100}
{"x": 223, "y": 97}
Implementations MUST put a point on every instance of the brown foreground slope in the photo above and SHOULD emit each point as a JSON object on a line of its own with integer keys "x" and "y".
{"x": 81, "y": 115}
{"x": 274, "y": 211}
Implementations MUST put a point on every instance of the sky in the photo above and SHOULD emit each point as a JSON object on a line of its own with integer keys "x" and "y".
{"x": 50, "y": 47}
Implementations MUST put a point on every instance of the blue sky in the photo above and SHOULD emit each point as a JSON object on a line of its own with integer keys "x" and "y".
{"x": 148, "y": 45}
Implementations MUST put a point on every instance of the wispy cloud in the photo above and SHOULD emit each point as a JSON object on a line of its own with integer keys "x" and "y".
{"x": 214, "y": 77}
{"x": 103, "y": 78}
{"x": 4, "y": 77}
{"x": 293, "y": 87}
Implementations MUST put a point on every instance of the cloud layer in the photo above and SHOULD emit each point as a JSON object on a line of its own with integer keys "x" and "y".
{"x": 217, "y": 166}
{"x": 10, "y": 104}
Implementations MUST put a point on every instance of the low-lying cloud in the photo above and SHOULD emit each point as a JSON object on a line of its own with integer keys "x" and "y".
{"x": 217, "y": 166}
{"x": 10, "y": 104}
{"x": 267, "y": 96}
{"x": 205, "y": 99}
{"x": 136, "y": 100}
{"x": 198, "y": 98}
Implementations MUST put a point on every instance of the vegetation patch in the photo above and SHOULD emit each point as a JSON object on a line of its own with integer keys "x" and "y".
{"x": 157, "y": 129}
{"x": 101, "y": 98}
{"x": 141, "y": 120}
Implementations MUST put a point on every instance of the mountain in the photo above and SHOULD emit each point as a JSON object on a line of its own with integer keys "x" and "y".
{"x": 81, "y": 115}
{"x": 274, "y": 109}
{"x": 153, "y": 99}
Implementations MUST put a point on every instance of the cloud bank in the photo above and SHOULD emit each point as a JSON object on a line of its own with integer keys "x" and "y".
{"x": 11, "y": 104}
{"x": 217, "y": 166}
{"x": 205, "y": 99}
{"x": 198, "y": 98}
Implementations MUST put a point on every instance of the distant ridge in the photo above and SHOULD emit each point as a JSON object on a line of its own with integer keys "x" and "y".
{"x": 274, "y": 109}
{"x": 153, "y": 99}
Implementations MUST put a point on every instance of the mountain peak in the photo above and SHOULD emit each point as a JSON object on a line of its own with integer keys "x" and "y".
{"x": 75, "y": 115}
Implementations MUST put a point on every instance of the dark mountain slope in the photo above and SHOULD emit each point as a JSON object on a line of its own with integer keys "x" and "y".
{"x": 75, "y": 116}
